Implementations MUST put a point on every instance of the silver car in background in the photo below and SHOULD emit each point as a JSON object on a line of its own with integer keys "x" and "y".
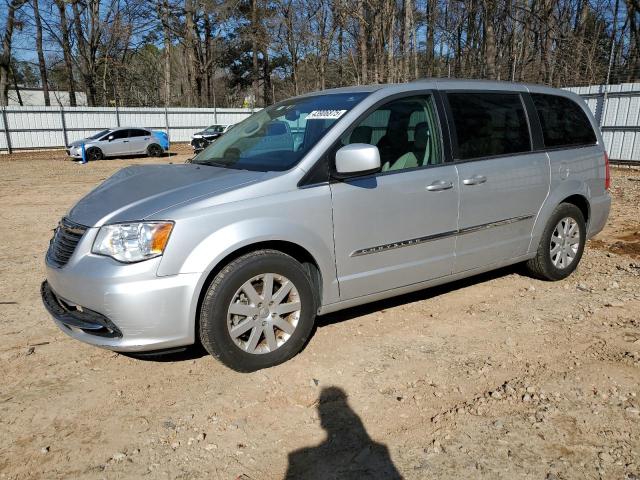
{"x": 323, "y": 202}
{"x": 116, "y": 142}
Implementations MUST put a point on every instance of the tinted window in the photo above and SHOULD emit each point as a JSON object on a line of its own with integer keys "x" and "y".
{"x": 118, "y": 134}
{"x": 138, "y": 133}
{"x": 563, "y": 122}
{"x": 405, "y": 131}
{"x": 489, "y": 124}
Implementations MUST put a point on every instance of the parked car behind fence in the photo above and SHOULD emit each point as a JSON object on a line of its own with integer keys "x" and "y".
{"x": 120, "y": 141}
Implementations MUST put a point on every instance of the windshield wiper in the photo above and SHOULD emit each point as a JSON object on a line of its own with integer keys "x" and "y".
{"x": 212, "y": 163}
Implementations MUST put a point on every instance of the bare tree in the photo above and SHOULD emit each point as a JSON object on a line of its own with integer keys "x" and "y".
{"x": 5, "y": 55}
{"x": 41, "y": 62}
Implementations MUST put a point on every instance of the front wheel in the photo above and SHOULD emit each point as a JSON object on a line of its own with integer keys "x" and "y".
{"x": 561, "y": 245}
{"x": 258, "y": 311}
{"x": 94, "y": 154}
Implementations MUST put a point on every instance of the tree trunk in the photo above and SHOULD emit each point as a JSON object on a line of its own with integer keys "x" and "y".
{"x": 432, "y": 15}
{"x": 41, "y": 62}
{"x": 406, "y": 39}
{"x": 391, "y": 43}
{"x": 189, "y": 46}
{"x": 66, "y": 51}
{"x": 362, "y": 42}
{"x": 86, "y": 56}
{"x": 254, "y": 48}
{"x": 16, "y": 87}
{"x": 490, "y": 39}
{"x": 266, "y": 74}
{"x": 163, "y": 13}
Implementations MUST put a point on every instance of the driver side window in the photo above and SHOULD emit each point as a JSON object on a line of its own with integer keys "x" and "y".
{"x": 117, "y": 135}
{"x": 405, "y": 131}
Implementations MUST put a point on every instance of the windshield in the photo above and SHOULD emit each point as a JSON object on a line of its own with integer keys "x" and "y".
{"x": 276, "y": 138}
{"x": 215, "y": 129}
{"x": 99, "y": 134}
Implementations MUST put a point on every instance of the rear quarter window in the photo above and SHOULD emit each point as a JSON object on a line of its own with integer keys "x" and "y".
{"x": 563, "y": 122}
{"x": 489, "y": 124}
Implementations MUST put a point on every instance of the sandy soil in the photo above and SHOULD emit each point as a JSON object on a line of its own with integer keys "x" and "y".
{"x": 498, "y": 376}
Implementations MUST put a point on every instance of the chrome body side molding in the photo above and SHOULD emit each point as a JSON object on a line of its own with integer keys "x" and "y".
{"x": 437, "y": 236}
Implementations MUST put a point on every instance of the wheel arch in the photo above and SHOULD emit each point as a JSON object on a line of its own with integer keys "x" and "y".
{"x": 573, "y": 192}
{"x": 582, "y": 203}
{"x": 297, "y": 252}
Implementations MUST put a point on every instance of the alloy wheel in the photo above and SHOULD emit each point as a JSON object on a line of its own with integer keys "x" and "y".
{"x": 263, "y": 313}
{"x": 565, "y": 242}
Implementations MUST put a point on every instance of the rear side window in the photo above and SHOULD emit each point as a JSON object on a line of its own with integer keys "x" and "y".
{"x": 138, "y": 133}
{"x": 489, "y": 124}
{"x": 563, "y": 122}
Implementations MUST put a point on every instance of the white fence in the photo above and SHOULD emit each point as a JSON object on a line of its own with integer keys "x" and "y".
{"x": 618, "y": 113}
{"x": 51, "y": 127}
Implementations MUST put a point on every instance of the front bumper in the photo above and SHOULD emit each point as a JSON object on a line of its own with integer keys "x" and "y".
{"x": 121, "y": 307}
{"x": 200, "y": 143}
{"x": 74, "y": 152}
{"x": 74, "y": 317}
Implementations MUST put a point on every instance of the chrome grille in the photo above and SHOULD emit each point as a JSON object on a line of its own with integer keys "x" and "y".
{"x": 64, "y": 242}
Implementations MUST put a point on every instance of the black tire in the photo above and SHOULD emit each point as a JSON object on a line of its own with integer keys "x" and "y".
{"x": 154, "y": 150}
{"x": 542, "y": 265}
{"x": 93, "y": 154}
{"x": 214, "y": 331}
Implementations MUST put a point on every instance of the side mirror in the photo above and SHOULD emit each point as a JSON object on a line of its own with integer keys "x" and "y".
{"x": 356, "y": 160}
{"x": 110, "y": 137}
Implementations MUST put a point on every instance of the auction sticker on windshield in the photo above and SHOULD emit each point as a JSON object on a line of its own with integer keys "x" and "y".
{"x": 325, "y": 114}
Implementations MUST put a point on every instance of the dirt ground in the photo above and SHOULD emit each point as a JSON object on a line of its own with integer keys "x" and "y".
{"x": 497, "y": 376}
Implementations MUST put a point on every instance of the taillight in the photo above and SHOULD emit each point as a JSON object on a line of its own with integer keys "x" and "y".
{"x": 607, "y": 172}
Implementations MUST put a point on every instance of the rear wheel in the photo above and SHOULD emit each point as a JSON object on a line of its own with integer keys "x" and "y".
{"x": 562, "y": 244}
{"x": 258, "y": 311}
{"x": 154, "y": 150}
{"x": 94, "y": 153}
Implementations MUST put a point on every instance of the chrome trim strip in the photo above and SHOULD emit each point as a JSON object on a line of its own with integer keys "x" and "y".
{"x": 437, "y": 236}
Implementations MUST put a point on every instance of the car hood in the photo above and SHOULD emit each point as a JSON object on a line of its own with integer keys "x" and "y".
{"x": 137, "y": 192}
{"x": 205, "y": 133}
{"x": 78, "y": 143}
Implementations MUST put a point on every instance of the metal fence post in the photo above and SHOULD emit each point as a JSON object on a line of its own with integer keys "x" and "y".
{"x": 64, "y": 127}
{"x": 6, "y": 130}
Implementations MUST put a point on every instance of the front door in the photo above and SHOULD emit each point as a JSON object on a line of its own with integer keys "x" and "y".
{"x": 117, "y": 143}
{"x": 503, "y": 183}
{"x": 396, "y": 228}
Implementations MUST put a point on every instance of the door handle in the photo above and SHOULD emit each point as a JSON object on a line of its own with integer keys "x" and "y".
{"x": 475, "y": 180}
{"x": 125, "y": 141}
{"x": 439, "y": 185}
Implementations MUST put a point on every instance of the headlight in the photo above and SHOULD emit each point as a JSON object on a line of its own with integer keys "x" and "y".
{"x": 132, "y": 242}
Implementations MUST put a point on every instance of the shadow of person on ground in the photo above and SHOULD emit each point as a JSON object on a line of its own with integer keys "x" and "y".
{"x": 348, "y": 451}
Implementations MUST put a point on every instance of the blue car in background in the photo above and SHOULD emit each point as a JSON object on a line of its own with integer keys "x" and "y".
{"x": 122, "y": 141}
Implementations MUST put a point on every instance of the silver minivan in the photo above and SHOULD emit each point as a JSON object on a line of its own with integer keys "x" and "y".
{"x": 323, "y": 202}
{"x": 115, "y": 142}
